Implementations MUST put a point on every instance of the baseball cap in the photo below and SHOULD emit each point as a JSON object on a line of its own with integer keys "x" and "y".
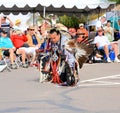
{"x": 81, "y": 24}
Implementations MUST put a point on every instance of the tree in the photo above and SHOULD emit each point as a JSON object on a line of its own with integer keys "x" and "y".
{"x": 69, "y": 21}
{"x": 117, "y": 1}
{"x": 72, "y": 21}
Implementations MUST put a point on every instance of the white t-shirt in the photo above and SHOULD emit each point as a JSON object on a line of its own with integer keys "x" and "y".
{"x": 101, "y": 40}
{"x": 98, "y": 24}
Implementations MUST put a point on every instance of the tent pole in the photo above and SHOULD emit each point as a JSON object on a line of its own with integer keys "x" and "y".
{"x": 44, "y": 9}
{"x": 114, "y": 15}
{"x": 98, "y": 13}
{"x": 33, "y": 18}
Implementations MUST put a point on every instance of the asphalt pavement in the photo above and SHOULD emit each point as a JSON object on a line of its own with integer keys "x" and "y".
{"x": 98, "y": 91}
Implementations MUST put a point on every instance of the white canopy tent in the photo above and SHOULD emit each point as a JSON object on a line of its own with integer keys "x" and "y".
{"x": 58, "y": 7}
{"x": 52, "y": 6}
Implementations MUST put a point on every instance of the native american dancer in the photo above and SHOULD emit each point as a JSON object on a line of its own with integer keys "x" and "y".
{"x": 62, "y": 58}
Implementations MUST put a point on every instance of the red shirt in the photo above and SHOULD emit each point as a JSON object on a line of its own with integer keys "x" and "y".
{"x": 18, "y": 40}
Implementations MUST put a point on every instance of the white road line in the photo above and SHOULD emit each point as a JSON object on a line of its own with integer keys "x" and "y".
{"x": 105, "y": 82}
{"x": 97, "y": 84}
{"x": 100, "y": 78}
{"x": 100, "y": 81}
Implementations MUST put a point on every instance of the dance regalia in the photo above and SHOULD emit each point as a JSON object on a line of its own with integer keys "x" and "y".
{"x": 60, "y": 62}
{"x": 54, "y": 57}
{"x": 55, "y": 62}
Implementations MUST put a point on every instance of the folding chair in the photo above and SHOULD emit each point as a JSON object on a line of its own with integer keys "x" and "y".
{"x": 18, "y": 61}
{"x": 4, "y": 65}
{"x": 4, "y": 62}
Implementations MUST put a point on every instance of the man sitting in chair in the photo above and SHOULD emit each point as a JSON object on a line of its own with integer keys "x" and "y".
{"x": 34, "y": 42}
{"x": 7, "y": 47}
{"x": 103, "y": 43}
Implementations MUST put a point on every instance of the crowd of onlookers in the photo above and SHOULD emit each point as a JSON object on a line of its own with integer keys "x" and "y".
{"x": 106, "y": 40}
{"x": 15, "y": 42}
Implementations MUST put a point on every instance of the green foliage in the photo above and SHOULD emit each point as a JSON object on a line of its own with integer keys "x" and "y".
{"x": 117, "y": 1}
{"x": 71, "y": 21}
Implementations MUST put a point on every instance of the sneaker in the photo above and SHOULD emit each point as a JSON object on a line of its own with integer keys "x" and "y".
{"x": 117, "y": 60}
{"x": 13, "y": 66}
{"x": 24, "y": 65}
{"x": 108, "y": 60}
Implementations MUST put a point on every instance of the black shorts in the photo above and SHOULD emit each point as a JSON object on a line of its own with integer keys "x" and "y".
{"x": 7, "y": 53}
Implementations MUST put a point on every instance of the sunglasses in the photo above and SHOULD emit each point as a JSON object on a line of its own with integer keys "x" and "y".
{"x": 31, "y": 29}
{"x": 4, "y": 32}
{"x": 100, "y": 31}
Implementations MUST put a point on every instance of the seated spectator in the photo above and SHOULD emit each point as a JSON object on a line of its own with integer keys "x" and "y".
{"x": 103, "y": 43}
{"x": 109, "y": 31}
{"x": 19, "y": 41}
{"x": 81, "y": 32}
{"x": 33, "y": 41}
{"x": 72, "y": 32}
{"x": 0, "y": 54}
{"x": 7, "y": 47}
